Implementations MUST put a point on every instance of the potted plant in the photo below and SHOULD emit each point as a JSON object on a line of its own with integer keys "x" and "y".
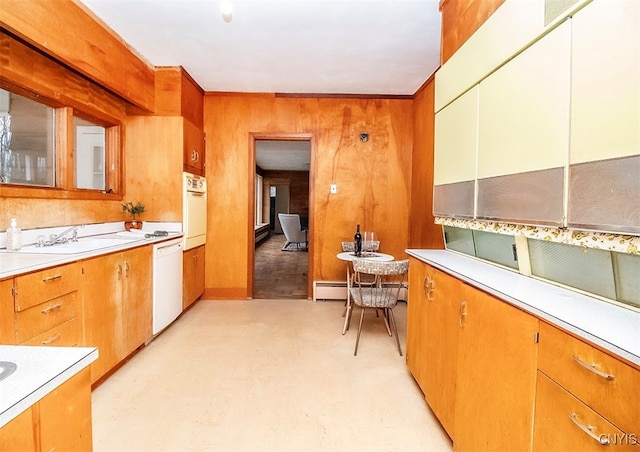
{"x": 134, "y": 210}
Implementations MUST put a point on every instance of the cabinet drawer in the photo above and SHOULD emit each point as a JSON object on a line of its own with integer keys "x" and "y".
{"x": 563, "y": 423}
{"x": 65, "y": 335}
{"x": 606, "y": 384}
{"x": 35, "y": 288}
{"x": 38, "y": 319}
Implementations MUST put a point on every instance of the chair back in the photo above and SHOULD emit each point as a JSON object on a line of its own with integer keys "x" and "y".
{"x": 348, "y": 247}
{"x": 388, "y": 281}
{"x": 290, "y": 223}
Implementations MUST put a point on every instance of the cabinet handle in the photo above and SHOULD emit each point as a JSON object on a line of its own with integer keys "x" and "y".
{"x": 593, "y": 368}
{"x": 428, "y": 288}
{"x": 119, "y": 272}
{"x": 126, "y": 269}
{"x": 463, "y": 313}
{"x": 51, "y": 339}
{"x": 195, "y": 155}
{"x": 51, "y": 308}
{"x": 588, "y": 429}
{"x": 51, "y": 278}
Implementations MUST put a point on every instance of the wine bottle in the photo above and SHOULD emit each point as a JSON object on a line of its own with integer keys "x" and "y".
{"x": 358, "y": 241}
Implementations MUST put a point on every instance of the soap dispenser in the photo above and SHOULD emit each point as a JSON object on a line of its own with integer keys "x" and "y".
{"x": 14, "y": 236}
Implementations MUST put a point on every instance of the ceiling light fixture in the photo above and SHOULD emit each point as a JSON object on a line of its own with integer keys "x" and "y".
{"x": 226, "y": 8}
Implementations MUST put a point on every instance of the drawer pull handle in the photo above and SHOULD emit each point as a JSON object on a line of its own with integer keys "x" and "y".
{"x": 51, "y": 308}
{"x": 51, "y": 339}
{"x": 593, "y": 368}
{"x": 51, "y": 278}
{"x": 588, "y": 429}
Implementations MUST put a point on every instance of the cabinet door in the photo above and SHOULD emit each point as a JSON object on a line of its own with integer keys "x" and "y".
{"x": 456, "y": 145}
{"x": 604, "y": 186}
{"x": 136, "y": 299}
{"x": 193, "y": 275}
{"x": 194, "y": 151}
{"x": 20, "y": 434}
{"x": 444, "y": 294}
{"x": 416, "y": 322}
{"x": 496, "y": 375}
{"x": 65, "y": 415}
{"x": 102, "y": 302}
{"x": 523, "y": 138}
{"x": 7, "y": 326}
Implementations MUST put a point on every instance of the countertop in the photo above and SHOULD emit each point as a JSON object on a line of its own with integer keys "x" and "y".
{"x": 605, "y": 324}
{"x": 39, "y": 371}
{"x": 15, "y": 263}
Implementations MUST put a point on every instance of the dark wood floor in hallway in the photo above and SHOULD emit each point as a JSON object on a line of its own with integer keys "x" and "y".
{"x": 279, "y": 274}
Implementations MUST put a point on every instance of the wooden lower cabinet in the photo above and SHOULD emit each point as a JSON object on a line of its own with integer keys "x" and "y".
{"x": 137, "y": 299}
{"x": 192, "y": 275}
{"x": 432, "y": 340}
{"x": 116, "y": 294}
{"x": 474, "y": 357}
{"x": 496, "y": 374}
{"x": 59, "y": 421}
{"x": 564, "y": 423}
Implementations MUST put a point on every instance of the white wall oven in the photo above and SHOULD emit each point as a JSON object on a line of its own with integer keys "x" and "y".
{"x": 194, "y": 206}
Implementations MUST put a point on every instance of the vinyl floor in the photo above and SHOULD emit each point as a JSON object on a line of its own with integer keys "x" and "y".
{"x": 266, "y": 375}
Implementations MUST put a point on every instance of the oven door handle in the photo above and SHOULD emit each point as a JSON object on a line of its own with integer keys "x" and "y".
{"x": 196, "y": 193}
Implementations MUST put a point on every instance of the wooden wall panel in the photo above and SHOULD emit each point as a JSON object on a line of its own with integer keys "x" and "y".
{"x": 424, "y": 233}
{"x": 153, "y": 152}
{"x": 54, "y": 26}
{"x": 460, "y": 19}
{"x": 373, "y": 178}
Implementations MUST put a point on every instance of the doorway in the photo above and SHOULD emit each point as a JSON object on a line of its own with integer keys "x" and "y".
{"x": 283, "y": 167}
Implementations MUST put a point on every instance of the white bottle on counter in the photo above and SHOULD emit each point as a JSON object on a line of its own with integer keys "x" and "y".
{"x": 14, "y": 236}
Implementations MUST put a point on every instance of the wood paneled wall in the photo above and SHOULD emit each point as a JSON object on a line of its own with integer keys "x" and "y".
{"x": 373, "y": 178}
{"x": 68, "y": 32}
{"x": 424, "y": 233}
{"x": 460, "y": 19}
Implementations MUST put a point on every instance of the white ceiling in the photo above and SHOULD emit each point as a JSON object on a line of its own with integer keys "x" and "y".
{"x": 387, "y": 47}
{"x": 376, "y": 47}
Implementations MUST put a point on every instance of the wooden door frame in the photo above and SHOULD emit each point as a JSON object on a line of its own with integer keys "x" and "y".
{"x": 253, "y": 136}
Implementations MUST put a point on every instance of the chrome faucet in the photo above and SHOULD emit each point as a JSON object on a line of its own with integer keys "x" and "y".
{"x": 60, "y": 238}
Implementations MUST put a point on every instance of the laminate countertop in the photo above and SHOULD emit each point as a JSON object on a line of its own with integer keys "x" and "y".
{"x": 610, "y": 326}
{"x": 39, "y": 370}
{"x": 13, "y": 263}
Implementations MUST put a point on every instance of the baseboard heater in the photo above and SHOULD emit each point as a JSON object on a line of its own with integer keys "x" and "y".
{"x": 337, "y": 290}
{"x": 329, "y": 290}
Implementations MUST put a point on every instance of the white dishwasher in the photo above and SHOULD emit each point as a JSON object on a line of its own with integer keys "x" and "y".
{"x": 167, "y": 283}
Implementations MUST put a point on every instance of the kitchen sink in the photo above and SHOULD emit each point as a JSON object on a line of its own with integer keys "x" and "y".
{"x": 6, "y": 369}
{"x": 83, "y": 245}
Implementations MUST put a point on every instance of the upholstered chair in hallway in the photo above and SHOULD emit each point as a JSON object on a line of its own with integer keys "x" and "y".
{"x": 293, "y": 232}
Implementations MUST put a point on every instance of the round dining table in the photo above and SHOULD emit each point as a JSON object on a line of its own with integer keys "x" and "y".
{"x": 351, "y": 256}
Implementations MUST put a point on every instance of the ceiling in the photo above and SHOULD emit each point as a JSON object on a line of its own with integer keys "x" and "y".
{"x": 361, "y": 47}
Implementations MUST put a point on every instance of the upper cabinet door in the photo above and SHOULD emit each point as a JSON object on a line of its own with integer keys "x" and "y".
{"x": 604, "y": 174}
{"x": 523, "y": 138}
{"x": 456, "y": 144}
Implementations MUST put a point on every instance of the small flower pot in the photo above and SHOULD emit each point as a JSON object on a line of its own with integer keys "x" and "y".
{"x": 132, "y": 224}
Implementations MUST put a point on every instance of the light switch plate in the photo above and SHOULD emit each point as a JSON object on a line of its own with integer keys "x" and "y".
{"x": 334, "y": 188}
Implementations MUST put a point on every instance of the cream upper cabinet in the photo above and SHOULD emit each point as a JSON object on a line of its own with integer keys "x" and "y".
{"x": 605, "y": 81}
{"x": 456, "y": 143}
{"x": 524, "y": 110}
{"x": 511, "y": 28}
{"x": 523, "y": 134}
{"x": 604, "y": 172}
